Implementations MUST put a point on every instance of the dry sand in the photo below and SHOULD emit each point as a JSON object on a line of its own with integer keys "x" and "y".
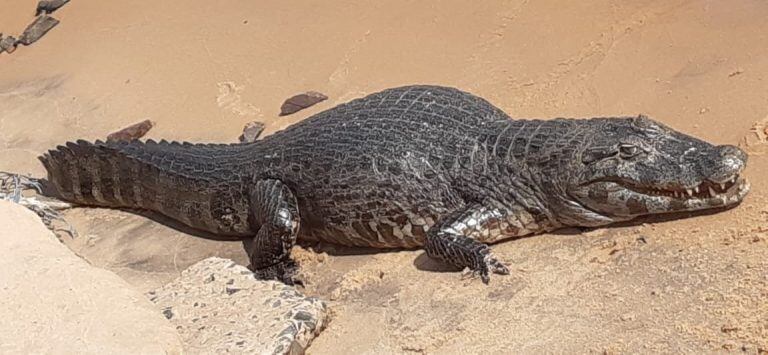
{"x": 55, "y": 303}
{"x": 202, "y": 69}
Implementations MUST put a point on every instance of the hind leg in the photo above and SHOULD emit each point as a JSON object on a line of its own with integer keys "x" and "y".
{"x": 11, "y": 187}
{"x": 275, "y": 211}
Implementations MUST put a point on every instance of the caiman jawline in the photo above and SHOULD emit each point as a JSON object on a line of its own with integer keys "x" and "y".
{"x": 706, "y": 189}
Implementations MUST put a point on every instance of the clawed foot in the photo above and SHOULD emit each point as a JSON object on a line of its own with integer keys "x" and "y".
{"x": 465, "y": 252}
{"x": 11, "y": 188}
{"x": 488, "y": 264}
{"x": 284, "y": 271}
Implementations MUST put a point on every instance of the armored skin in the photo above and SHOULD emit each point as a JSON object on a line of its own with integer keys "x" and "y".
{"x": 409, "y": 167}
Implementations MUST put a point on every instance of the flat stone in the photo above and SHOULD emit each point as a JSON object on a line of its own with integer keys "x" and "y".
{"x": 251, "y": 132}
{"x": 37, "y": 29}
{"x": 301, "y": 101}
{"x": 134, "y": 131}
{"x": 219, "y": 307}
{"x": 8, "y": 44}
{"x": 54, "y": 302}
{"x": 49, "y": 6}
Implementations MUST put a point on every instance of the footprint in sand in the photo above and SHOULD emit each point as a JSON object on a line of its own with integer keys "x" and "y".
{"x": 229, "y": 99}
{"x": 756, "y": 141}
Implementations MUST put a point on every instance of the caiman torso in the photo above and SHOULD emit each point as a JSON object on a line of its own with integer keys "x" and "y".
{"x": 377, "y": 171}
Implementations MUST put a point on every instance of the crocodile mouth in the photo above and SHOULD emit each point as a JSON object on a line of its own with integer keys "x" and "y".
{"x": 621, "y": 199}
{"x": 705, "y": 190}
{"x": 706, "y": 195}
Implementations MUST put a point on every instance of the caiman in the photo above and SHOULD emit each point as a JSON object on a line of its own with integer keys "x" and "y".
{"x": 410, "y": 167}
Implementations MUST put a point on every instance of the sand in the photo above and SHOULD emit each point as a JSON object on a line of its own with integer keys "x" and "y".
{"x": 201, "y": 70}
{"x": 55, "y": 303}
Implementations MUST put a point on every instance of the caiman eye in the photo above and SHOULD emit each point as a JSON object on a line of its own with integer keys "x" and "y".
{"x": 628, "y": 150}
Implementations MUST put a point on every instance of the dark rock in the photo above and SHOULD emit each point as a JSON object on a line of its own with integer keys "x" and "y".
{"x": 131, "y": 132}
{"x": 49, "y": 6}
{"x": 37, "y": 29}
{"x": 300, "y": 102}
{"x": 8, "y": 44}
{"x": 251, "y": 132}
{"x": 168, "y": 313}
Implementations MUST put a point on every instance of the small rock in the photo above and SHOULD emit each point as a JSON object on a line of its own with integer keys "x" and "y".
{"x": 251, "y": 132}
{"x": 168, "y": 313}
{"x": 134, "y": 131}
{"x": 8, "y": 44}
{"x": 736, "y": 72}
{"x": 37, "y": 29}
{"x": 301, "y": 101}
{"x": 49, "y": 6}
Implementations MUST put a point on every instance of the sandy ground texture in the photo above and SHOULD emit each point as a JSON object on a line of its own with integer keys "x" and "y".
{"x": 54, "y": 302}
{"x": 202, "y": 69}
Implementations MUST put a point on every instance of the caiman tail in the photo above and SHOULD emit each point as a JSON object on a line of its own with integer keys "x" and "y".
{"x": 169, "y": 178}
{"x": 95, "y": 175}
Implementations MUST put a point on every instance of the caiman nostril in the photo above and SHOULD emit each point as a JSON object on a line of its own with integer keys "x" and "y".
{"x": 730, "y": 162}
{"x": 733, "y": 152}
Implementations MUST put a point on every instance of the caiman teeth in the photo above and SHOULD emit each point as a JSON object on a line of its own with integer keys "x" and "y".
{"x": 704, "y": 190}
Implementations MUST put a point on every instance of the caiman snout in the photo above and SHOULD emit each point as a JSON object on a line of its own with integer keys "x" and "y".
{"x": 730, "y": 162}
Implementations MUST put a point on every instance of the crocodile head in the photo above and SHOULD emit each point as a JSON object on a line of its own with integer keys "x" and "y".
{"x": 636, "y": 166}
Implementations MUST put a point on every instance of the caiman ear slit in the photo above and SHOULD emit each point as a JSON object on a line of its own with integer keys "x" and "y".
{"x": 595, "y": 154}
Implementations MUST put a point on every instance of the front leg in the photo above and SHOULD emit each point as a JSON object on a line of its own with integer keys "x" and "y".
{"x": 275, "y": 211}
{"x": 452, "y": 239}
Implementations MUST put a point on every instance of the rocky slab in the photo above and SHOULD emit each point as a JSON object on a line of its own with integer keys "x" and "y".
{"x": 218, "y": 307}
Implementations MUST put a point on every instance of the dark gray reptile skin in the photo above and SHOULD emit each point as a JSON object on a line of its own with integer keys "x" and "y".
{"x": 408, "y": 167}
